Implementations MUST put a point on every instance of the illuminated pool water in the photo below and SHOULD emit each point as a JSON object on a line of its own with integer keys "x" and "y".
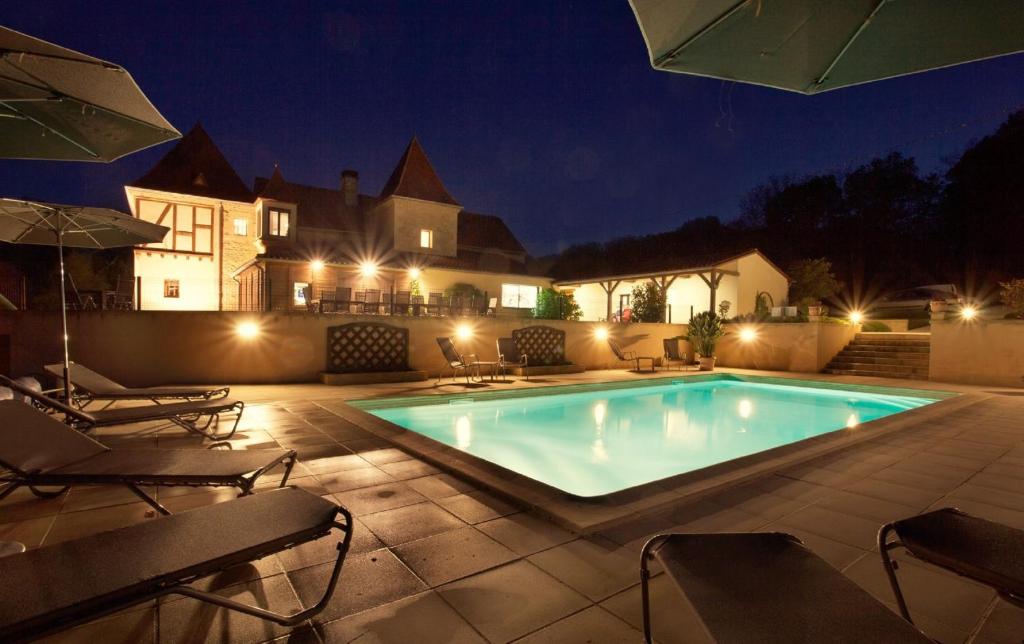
{"x": 596, "y": 442}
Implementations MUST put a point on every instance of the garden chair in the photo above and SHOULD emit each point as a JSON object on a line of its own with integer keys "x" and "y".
{"x": 189, "y": 415}
{"x": 456, "y": 361}
{"x": 124, "y": 294}
{"x": 768, "y": 587}
{"x": 983, "y": 551}
{"x": 343, "y": 298}
{"x": 58, "y": 586}
{"x": 629, "y": 356}
{"x": 402, "y": 302}
{"x": 672, "y": 354}
{"x": 74, "y": 300}
{"x": 313, "y": 306}
{"x": 90, "y": 386}
{"x": 36, "y": 450}
{"x": 509, "y": 356}
{"x": 435, "y": 303}
{"x": 418, "y": 307}
{"x": 371, "y": 302}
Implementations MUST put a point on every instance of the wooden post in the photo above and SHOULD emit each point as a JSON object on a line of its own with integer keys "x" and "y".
{"x": 138, "y": 292}
{"x": 609, "y": 288}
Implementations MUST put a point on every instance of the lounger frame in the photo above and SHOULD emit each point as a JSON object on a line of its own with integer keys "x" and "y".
{"x": 83, "y": 396}
{"x": 59, "y": 621}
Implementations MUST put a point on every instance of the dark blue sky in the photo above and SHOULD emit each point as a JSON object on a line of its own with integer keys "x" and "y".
{"x": 546, "y": 113}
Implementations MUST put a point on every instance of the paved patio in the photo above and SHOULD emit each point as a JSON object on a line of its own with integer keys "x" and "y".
{"x": 436, "y": 560}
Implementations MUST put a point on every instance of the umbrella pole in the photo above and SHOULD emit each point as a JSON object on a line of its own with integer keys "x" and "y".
{"x": 64, "y": 316}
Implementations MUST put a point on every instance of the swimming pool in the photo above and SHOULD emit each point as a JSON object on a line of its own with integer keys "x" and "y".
{"x": 594, "y": 442}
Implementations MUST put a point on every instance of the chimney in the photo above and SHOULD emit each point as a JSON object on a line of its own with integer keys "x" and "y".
{"x": 350, "y": 187}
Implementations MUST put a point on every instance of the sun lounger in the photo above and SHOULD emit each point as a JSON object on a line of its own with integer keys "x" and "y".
{"x": 629, "y": 356}
{"x": 90, "y": 386}
{"x": 39, "y": 450}
{"x": 68, "y": 583}
{"x": 768, "y": 587}
{"x": 189, "y": 415}
{"x": 989, "y": 553}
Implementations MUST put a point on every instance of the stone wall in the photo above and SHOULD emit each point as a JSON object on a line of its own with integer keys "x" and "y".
{"x": 805, "y": 347}
{"x": 983, "y": 352}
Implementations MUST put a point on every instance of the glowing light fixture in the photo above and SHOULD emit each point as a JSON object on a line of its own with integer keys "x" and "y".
{"x": 464, "y": 332}
{"x": 748, "y": 334}
{"x": 852, "y": 421}
{"x": 969, "y": 312}
{"x": 368, "y": 269}
{"x": 247, "y": 330}
{"x": 601, "y": 333}
{"x": 317, "y": 265}
{"x": 856, "y": 317}
{"x": 414, "y": 273}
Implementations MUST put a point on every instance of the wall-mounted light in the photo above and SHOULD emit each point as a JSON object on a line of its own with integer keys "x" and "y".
{"x": 414, "y": 273}
{"x": 247, "y": 330}
{"x": 969, "y": 312}
{"x": 368, "y": 269}
{"x": 317, "y": 265}
{"x": 856, "y": 317}
{"x": 748, "y": 334}
{"x": 463, "y": 332}
{"x": 601, "y": 333}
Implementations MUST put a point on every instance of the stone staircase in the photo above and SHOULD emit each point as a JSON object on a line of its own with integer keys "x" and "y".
{"x": 885, "y": 355}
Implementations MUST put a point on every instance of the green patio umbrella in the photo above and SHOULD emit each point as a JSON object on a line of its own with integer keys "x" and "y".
{"x": 813, "y": 46}
{"x": 58, "y": 104}
{"x": 47, "y": 224}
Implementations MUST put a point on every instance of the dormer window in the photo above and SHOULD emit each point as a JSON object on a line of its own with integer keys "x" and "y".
{"x": 426, "y": 238}
{"x": 279, "y": 221}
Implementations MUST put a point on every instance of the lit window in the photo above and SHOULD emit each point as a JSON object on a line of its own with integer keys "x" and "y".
{"x": 241, "y": 227}
{"x": 279, "y": 222}
{"x": 426, "y": 238}
{"x": 299, "y": 293}
{"x": 171, "y": 288}
{"x": 518, "y": 296}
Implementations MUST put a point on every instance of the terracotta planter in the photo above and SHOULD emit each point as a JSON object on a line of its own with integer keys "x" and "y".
{"x": 938, "y": 306}
{"x": 815, "y": 311}
{"x": 707, "y": 364}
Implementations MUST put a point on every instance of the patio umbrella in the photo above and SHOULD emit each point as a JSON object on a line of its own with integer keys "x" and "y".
{"x": 45, "y": 224}
{"x": 59, "y": 104}
{"x": 813, "y": 46}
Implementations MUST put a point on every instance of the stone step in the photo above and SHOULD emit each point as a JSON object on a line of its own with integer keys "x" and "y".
{"x": 875, "y": 374}
{"x": 915, "y": 360}
{"x": 887, "y": 349}
{"x": 891, "y": 343}
{"x": 919, "y": 337}
{"x": 886, "y": 368}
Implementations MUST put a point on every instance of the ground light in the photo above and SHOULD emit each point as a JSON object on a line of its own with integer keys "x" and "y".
{"x": 247, "y": 330}
{"x": 368, "y": 269}
{"x": 856, "y": 317}
{"x": 968, "y": 312}
{"x": 463, "y": 332}
{"x": 601, "y": 333}
{"x": 748, "y": 334}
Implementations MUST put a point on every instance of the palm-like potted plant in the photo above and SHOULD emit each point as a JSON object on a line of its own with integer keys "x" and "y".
{"x": 704, "y": 332}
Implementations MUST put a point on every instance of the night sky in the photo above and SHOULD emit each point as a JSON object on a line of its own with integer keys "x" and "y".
{"x": 545, "y": 113}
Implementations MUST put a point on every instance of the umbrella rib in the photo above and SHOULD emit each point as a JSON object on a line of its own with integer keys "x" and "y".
{"x": 846, "y": 47}
{"x": 74, "y": 222}
{"x": 4, "y": 53}
{"x": 47, "y": 127}
{"x": 672, "y": 53}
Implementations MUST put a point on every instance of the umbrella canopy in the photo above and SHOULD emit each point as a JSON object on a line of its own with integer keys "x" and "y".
{"x": 46, "y": 224}
{"x": 813, "y": 46}
{"x": 59, "y": 104}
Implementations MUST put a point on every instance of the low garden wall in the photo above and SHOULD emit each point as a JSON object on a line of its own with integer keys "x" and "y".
{"x": 145, "y": 348}
{"x": 983, "y": 352}
{"x": 802, "y": 347}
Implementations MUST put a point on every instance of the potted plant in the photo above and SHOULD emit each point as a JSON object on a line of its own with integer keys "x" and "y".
{"x": 814, "y": 308}
{"x": 703, "y": 333}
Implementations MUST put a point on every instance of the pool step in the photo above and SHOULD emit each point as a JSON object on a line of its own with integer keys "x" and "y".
{"x": 884, "y": 355}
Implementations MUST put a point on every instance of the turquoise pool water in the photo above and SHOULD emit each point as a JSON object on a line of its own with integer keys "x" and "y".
{"x": 590, "y": 443}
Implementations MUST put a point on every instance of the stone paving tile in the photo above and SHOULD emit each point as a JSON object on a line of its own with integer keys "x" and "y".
{"x": 1005, "y": 623}
{"x": 423, "y": 618}
{"x": 524, "y": 533}
{"x": 838, "y": 526}
{"x": 750, "y": 499}
{"x": 452, "y": 555}
{"x": 791, "y": 488}
{"x": 999, "y": 482}
{"x": 29, "y": 532}
{"x": 511, "y": 601}
{"x": 80, "y": 524}
{"x": 439, "y": 486}
{"x": 22, "y": 505}
{"x": 411, "y": 522}
{"x": 589, "y": 568}
{"x": 672, "y": 619}
{"x": 475, "y": 507}
{"x": 591, "y": 626}
{"x": 133, "y": 626}
{"x": 866, "y": 507}
{"x": 335, "y": 464}
{"x": 325, "y": 549}
{"x": 354, "y": 479}
{"x": 386, "y": 455}
{"x": 907, "y": 478}
{"x": 885, "y": 491}
{"x": 378, "y": 498}
{"x": 409, "y": 469}
{"x": 984, "y": 510}
{"x": 368, "y": 580}
{"x": 840, "y": 555}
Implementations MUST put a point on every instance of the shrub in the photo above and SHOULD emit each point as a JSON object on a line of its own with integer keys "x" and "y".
{"x": 874, "y": 326}
{"x": 465, "y": 291}
{"x": 1012, "y": 295}
{"x": 704, "y": 332}
{"x": 763, "y": 304}
{"x": 648, "y": 303}
{"x": 556, "y": 305}
{"x": 723, "y": 309}
{"x": 813, "y": 281}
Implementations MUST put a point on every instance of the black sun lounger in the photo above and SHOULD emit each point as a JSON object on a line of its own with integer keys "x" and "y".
{"x": 65, "y": 584}
{"x": 38, "y": 450}
{"x": 189, "y": 414}
{"x": 769, "y": 587}
{"x": 989, "y": 553}
{"x": 90, "y": 386}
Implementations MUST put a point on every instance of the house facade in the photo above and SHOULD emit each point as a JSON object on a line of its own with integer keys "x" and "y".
{"x": 280, "y": 243}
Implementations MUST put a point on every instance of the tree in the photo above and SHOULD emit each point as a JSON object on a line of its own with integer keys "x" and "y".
{"x": 556, "y": 305}
{"x": 648, "y": 303}
{"x": 813, "y": 281}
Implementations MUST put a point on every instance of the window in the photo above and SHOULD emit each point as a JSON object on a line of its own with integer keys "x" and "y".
{"x": 171, "y": 288}
{"x": 241, "y": 227}
{"x": 426, "y": 238}
{"x": 299, "y": 293}
{"x": 518, "y": 296}
{"x": 279, "y": 222}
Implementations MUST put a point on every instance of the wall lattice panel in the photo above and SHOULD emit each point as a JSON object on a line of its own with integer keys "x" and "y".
{"x": 364, "y": 347}
{"x": 544, "y": 345}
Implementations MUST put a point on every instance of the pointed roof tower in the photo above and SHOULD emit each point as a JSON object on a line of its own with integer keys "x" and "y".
{"x": 415, "y": 177}
{"x": 196, "y": 166}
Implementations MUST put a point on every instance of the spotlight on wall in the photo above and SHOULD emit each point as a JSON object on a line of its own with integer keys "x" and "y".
{"x": 317, "y": 265}
{"x": 368, "y": 269}
{"x": 463, "y": 332}
{"x": 247, "y": 330}
{"x": 969, "y": 312}
{"x": 601, "y": 333}
{"x": 748, "y": 334}
{"x": 856, "y": 317}
{"x": 414, "y": 273}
